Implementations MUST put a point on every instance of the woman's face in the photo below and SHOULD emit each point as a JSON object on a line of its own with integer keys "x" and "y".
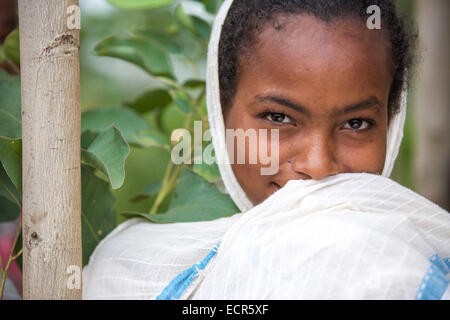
{"x": 325, "y": 87}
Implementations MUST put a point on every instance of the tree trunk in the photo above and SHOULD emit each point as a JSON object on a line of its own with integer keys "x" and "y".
{"x": 433, "y": 160}
{"x": 49, "y": 53}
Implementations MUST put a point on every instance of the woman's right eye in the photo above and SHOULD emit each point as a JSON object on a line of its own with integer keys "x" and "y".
{"x": 278, "y": 118}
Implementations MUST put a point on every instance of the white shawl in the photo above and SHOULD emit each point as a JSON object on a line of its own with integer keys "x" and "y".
{"x": 350, "y": 236}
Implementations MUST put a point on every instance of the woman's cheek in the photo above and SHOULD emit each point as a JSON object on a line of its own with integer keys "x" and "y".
{"x": 248, "y": 176}
{"x": 366, "y": 157}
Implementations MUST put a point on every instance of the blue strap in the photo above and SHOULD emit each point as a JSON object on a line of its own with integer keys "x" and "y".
{"x": 179, "y": 284}
{"x": 436, "y": 279}
{"x": 434, "y": 283}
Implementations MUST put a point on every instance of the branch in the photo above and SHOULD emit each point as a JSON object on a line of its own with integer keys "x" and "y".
{"x": 10, "y": 259}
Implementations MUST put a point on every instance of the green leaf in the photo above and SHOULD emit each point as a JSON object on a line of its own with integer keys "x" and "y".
{"x": 127, "y": 120}
{"x": 87, "y": 137}
{"x": 194, "y": 83}
{"x": 98, "y": 216}
{"x": 194, "y": 200}
{"x": 182, "y": 101}
{"x": 193, "y": 49}
{"x": 184, "y": 19}
{"x": 11, "y": 158}
{"x": 210, "y": 172}
{"x": 150, "y": 138}
{"x": 7, "y": 188}
{"x": 108, "y": 153}
{"x": 150, "y": 100}
{"x": 162, "y": 39}
{"x": 5, "y": 76}
{"x": 10, "y": 179}
{"x": 149, "y": 191}
{"x": 139, "y": 51}
{"x": 11, "y": 46}
{"x": 201, "y": 28}
{"x": 154, "y": 120}
{"x": 9, "y": 211}
{"x": 3, "y": 57}
{"x": 140, "y": 4}
{"x": 10, "y": 109}
{"x": 172, "y": 118}
{"x": 212, "y": 6}
{"x": 203, "y": 107}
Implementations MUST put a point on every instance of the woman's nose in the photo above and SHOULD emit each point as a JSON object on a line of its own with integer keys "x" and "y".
{"x": 315, "y": 159}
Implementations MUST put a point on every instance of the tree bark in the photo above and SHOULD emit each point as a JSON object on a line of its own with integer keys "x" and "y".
{"x": 433, "y": 158}
{"x": 49, "y": 53}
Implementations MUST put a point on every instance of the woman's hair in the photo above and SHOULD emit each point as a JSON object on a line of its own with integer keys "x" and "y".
{"x": 246, "y": 19}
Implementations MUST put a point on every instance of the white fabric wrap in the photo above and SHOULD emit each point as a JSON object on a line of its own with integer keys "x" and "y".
{"x": 348, "y": 236}
{"x": 138, "y": 258}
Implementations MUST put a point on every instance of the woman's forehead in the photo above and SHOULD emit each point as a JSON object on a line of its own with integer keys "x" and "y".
{"x": 305, "y": 40}
{"x": 307, "y": 54}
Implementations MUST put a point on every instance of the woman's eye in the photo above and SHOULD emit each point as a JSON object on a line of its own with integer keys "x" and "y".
{"x": 357, "y": 124}
{"x": 278, "y": 117}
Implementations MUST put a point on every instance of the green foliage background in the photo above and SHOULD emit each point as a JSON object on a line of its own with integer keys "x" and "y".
{"x": 143, "y": 166}
{"x": 168, "y": 54}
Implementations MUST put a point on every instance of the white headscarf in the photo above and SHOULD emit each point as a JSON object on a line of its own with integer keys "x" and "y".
{"x": 215, "y": 117}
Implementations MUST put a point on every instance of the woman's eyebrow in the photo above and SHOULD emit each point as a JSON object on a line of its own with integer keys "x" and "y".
{"x": 282, "y": 101}
{"x": 363, "y": 105}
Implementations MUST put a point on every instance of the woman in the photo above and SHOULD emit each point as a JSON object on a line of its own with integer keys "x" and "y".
{"x": 325, "y": 224}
